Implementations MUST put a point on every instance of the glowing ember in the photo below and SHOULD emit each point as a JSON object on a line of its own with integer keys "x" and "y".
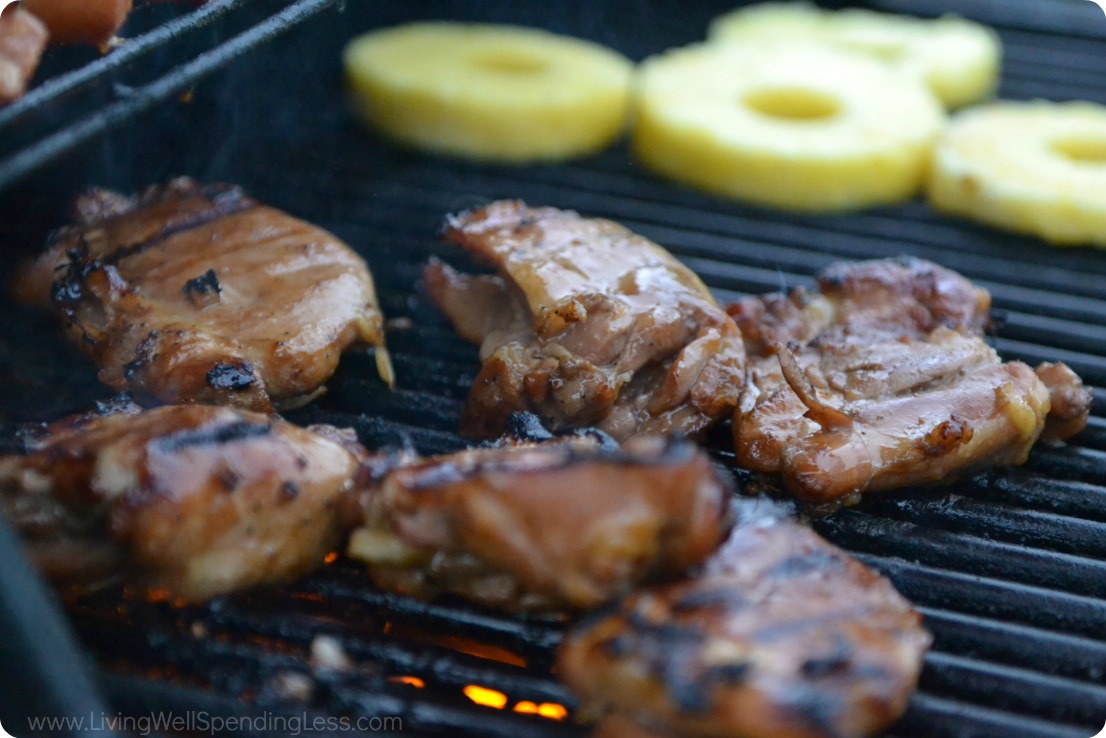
{"x": 331, "y": 557}
{"x": 552, "y": 710}
{"x": 549, "y": 710}
{"x": 486, "y": 697}
{"x": 414, "y": 681}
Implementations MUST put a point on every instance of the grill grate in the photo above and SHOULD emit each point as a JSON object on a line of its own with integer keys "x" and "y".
{"x": 73, "y": 107}
{"x": 1008, "y": 567}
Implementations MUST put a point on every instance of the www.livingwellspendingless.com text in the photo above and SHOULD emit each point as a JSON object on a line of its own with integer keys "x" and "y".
{"x": 200, "y": 721}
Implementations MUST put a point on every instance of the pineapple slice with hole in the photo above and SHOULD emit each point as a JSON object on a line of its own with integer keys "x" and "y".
{"x": 487, "y": 92}
{"x": 960, "y": 60}
{"x": 1033, "y": 167}
{"x": 797, "y": 127}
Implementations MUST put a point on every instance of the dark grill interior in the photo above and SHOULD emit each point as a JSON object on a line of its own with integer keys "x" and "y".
{"x": 77, "y": 93}
{"x": 1008, "y": 567}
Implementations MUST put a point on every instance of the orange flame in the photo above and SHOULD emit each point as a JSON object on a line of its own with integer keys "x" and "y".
{"x": 331, "y": 557}
{"x": 486, "y": 697}
{"x": 414, "y": 681}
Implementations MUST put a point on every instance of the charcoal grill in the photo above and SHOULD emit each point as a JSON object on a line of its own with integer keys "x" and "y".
{"x": 1009, "y": 567}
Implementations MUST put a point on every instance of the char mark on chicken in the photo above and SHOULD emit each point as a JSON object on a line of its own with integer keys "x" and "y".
{"x": 195, "y": 293}
{"x": 585, "y": 323}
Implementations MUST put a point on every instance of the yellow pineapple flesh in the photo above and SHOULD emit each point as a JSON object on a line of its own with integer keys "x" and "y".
{"x": 797, "y": 127}
{"x": 488, "y": 92}
{"x": 960, "y": 60}
{"x": 1033, "y": 167}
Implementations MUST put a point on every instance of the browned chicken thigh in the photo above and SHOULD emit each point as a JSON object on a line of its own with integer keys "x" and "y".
{"x": 567, "y": 524}
{"x": 782, "y": 635}
{"x": 190, "y": 500}
{"x": 586, "y": 323}
{"x": 195, "y": 293}
{"x": 882, "y": 379}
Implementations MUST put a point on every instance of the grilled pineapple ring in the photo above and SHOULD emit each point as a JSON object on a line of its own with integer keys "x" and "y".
{"x": 496, "y": 93}
{"x": 957, "y": 58}
{"x": 788, "y": 126}
{"x": 1036, "y": 168}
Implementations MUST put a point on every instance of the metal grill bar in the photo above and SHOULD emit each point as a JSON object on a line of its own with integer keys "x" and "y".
{"x": 936, "y": 716}
{"x": 1015, "y": 690}
{"x": 127, "y": 102}
{"x": 995, "y": 598}
{"x": 53, "y": 93}
{"x": 1004, "y": 643}
{"x": 932, "y": 542}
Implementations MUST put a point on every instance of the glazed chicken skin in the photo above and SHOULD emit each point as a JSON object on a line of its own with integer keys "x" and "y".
{"x": 195, "y": 293}
{"x": 585, "y": 324}
{"x": 781, "y": 635}
{"x": 563, "y": 525}
{"x": 189, "y": 501}
{"x": 882, "y": 379}
{"x": 22, "y": 41}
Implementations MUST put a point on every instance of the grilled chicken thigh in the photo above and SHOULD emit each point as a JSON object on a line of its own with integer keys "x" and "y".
{"x": 22, "y": 40}
{"x": 782, "y": 635}
{"x": 194, "y": 293}
{"x": 585, "y": 324}
{"x": 190, "y": 500}
{"x": 882, "y": 379}
{"x": 567, "y": 524}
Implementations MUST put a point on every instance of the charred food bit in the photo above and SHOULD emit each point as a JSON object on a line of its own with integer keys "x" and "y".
{"x": 84, "y": 22}
{"x": 193, "y": 293}
{"x": 22, "y": 39}
{"x": 193, "y": 500}
{"x": 585, "y": 324}
{"x": 881, "y": 379}
{"x": 566, "y": 524}
{"x": 782, "y": 635}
